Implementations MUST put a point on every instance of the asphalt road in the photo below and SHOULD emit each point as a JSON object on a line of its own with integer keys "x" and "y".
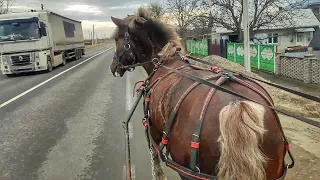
{"x": 67, "y": 124}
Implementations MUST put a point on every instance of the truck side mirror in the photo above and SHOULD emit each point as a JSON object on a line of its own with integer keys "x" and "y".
{"x": 43, "y": 31}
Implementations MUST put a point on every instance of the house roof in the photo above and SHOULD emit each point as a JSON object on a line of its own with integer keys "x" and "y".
{"x": 304, "y": 19}
{"x": 312, "y": 3}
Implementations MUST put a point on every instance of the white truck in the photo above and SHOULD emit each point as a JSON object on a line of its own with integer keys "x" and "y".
{"x": 38, "y": 41}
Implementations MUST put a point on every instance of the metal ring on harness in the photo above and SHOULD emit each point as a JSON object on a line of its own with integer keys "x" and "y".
{"x": 127, "y": 46}
{"x": 155, "y": 60}
{"x": 197, "y": 169}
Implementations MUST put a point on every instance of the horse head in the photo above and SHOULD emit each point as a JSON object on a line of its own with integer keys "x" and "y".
{"x": 140, "y": 38}
{"x": 132, "y": 43}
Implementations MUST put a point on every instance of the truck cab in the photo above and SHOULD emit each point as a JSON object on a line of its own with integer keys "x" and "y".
{"x": 27, "y": 43}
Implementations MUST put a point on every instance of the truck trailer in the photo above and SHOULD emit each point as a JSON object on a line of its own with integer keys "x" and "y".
{"x": 38, "y": 41}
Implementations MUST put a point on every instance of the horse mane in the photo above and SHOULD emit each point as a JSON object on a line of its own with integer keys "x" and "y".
{"x": 165, "y": 33}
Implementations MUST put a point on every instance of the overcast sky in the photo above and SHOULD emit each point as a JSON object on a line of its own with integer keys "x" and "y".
{"x": 90, "y": 12}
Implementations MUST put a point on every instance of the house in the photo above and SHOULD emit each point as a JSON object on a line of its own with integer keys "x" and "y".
{"x": 314, "y": 5}
{"x": 300, "y": 32}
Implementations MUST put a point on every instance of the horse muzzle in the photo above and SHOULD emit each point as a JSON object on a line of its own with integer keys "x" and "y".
{"x": 117, "y": 69}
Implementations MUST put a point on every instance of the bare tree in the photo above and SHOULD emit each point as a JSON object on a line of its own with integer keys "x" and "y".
{"x": 156, "y": 10}
{"x": 183, "y": 13}
{"x": 198, "y": 27}
{"x": 4, "y": 6}
{"x": 262, "y": 14}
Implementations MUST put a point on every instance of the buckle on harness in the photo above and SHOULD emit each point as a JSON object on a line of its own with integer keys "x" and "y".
{"x": 141, "y": 87}
{"x": 144, "y": 122}
{"x": 216, "y": 69}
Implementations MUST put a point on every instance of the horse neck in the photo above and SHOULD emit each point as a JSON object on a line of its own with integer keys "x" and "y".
{"x": 173, "y": 62}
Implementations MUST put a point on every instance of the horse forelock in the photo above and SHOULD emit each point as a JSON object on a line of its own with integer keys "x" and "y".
{"x": 165, "y": 38}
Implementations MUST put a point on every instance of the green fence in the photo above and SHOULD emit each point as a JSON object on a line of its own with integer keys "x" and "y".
{"x": 198, "y": 47}
{"x": 261, "y": 56}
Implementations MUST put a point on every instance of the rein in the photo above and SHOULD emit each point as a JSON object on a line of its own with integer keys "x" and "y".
{"x": 230, "y": 76}
{"x": 310, "y": 97}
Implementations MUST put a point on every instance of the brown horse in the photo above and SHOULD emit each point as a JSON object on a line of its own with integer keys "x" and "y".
{"x": 240, "y": 140}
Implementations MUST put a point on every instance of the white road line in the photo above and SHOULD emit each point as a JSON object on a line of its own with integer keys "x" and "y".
{"x": 130, "y": 130}
{"x": 50, "y": 79}
{"x": 128, "y": 92}
{"x": 129, "y": 100}
{"x": 133, "y": 172}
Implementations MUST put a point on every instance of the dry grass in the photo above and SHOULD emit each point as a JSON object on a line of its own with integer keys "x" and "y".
{"x": 97, "y": 45}
{"x": 283, "y": 100}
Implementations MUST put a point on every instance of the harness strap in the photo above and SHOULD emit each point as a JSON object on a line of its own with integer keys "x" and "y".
{"x": 155, "y": 83}
{"x": 147, "y": 93}
{"x": 313, "y": 98}
{"x": 126, "y": 48}
{"x": 186, "y": 172}
{"x": 258, "y": 84}
{"x": 239, "y": 81}
{"x": 183, "y": 171}
{"x": 173, "y": 114}
{"x": 195, "y": 78}
{"x": 194, "y": 157}
{"x": 286, "y": 143}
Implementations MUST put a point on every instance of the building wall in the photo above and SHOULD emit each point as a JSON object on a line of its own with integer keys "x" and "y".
{"x": 285, "y": 39}
{"x": 215, "y": 38}
{"x": 303, "y": 69}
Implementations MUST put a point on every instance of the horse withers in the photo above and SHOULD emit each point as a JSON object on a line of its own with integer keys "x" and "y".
{"x": 234, "y": 139}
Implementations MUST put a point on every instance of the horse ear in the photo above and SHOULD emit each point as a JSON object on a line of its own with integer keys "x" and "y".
{"x": 117, "y": 21}
{"x": 141, "y": 20}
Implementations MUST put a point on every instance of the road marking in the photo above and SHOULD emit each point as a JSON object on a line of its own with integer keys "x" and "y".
{"x": 128, "y": 92}
{"x": 129, "y": 100}
{"x": 144, "y": 73}
{"x": 133, "y": 172}
{"x": 50, "y": 79}
{"x": 130, "y": 130}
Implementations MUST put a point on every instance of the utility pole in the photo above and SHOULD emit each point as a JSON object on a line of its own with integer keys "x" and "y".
{"x": 246, "y": 44}
{"x": 96, "y": 38}
{"x": 93, "y": 35}
{"x": 41, "y": 6}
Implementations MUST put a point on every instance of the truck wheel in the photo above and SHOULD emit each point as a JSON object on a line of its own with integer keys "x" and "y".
{"x": 64, "y": 60}
{"x": 80, "y": 53}
{"x": 77, "y": 54}
{"x": 10, "y": 75}
{"x": 49, "y": 65}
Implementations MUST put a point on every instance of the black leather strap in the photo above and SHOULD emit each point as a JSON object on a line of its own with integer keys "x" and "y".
{"x": 308, "y": 96}
{"x": 197, "y": 79}
{"x": 174, "y": 112}
{"x": 194, "y": 156}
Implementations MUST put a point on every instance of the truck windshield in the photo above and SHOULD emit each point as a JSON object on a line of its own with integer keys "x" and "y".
{"x": 18, "y": 30}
